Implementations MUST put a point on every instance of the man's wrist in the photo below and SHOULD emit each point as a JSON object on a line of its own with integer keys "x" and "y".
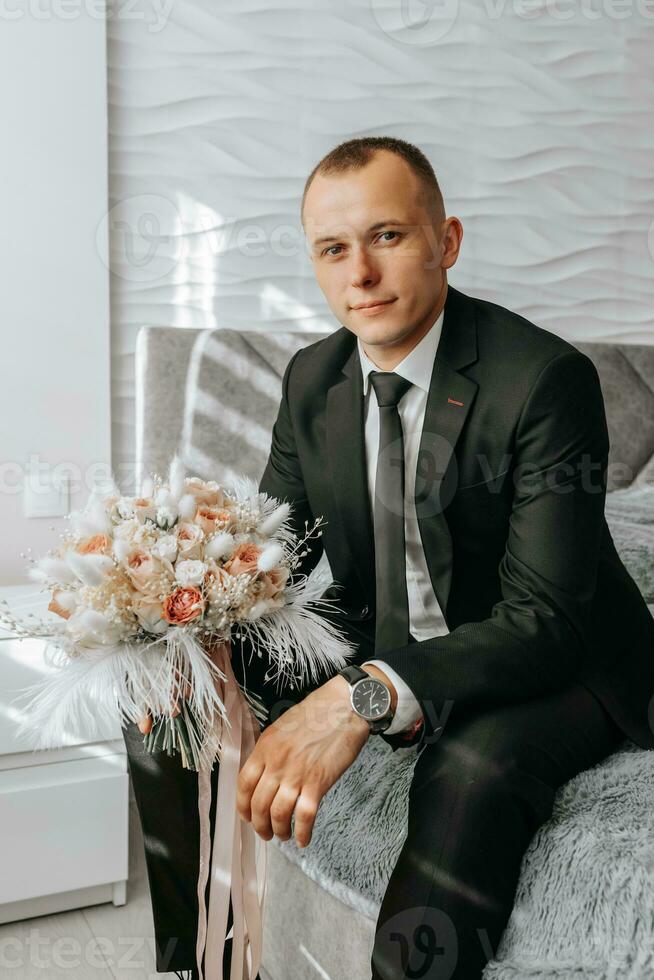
{"x": 375, "y": 671}
{"x": 340, "y": 683}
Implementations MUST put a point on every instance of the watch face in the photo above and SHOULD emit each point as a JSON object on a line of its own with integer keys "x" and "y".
{"x": 371, "y": 698}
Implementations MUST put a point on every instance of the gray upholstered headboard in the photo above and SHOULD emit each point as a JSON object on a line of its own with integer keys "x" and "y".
{"x": 181, "y": 376}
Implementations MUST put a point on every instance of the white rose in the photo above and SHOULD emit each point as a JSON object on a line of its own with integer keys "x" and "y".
{"x": 166, "y": 547}
{"x": 190, "y": 572}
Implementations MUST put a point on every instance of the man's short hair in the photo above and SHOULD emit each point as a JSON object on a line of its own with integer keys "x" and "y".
{"x": 356, "y": 153}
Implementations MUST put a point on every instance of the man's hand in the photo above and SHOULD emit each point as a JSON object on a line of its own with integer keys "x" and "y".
{"x": 297, "y": 759}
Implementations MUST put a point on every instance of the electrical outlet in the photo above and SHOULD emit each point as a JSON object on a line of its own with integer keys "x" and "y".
{"x": 45, "y": 495}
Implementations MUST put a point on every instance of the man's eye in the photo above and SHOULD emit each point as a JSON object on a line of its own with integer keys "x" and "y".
{"x": 389, "y": 233}
{"x": 330, "y": 250}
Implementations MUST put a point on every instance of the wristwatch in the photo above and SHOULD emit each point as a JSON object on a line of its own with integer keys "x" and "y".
{"x": 370, "y": 698}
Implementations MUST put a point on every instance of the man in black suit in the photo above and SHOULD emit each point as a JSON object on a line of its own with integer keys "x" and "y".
{"x": 489, "y": 603}
{"x": 540, "y": 657}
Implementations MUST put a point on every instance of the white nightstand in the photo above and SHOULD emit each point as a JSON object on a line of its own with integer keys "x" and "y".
{"x": 63, "y": 812}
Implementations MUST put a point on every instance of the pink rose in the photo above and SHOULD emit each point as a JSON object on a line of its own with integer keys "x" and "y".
{"x": 98, "y": 544}
{"x": 274, "y": 582}
{"x": 212, "y": 519}
{"x": 190, "y": 540}
{"x": 144, "y": 508}
{"x": 205, "y": 492}
{"x": 216, "y": 580}
{"x": 244, "y": 559}
{"x": 183, "y": 605}
{"x": 149, "y": 613}
{"x": 149, "y": 574}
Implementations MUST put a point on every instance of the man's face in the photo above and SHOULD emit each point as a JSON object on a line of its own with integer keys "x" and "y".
{"x": 382, "y": 245}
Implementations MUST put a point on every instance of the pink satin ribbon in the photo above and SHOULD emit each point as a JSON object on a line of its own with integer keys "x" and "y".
{"x": 238, "y": 864}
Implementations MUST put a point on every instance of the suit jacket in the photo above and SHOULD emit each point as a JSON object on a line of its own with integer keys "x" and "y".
{"x": 510, "y": 493}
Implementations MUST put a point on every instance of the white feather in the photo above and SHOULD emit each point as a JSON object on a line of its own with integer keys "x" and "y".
{"x": 259, "y": 609}
{"x": 299, "y": 642}
{"x": 99, "y": 684}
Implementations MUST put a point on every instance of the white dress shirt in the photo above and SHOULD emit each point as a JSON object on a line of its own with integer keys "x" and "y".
{"x": 425, "y": 615}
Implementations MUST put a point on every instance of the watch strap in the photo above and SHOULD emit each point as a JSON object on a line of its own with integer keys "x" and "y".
{"x": 352, "y": 673}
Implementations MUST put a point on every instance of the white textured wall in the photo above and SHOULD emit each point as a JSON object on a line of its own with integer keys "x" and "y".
{"x": 537, "y": 116}
{"x": 54, "y": 288}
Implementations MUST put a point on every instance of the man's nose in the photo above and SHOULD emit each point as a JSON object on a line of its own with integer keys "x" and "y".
{"x": 364, "y": 272}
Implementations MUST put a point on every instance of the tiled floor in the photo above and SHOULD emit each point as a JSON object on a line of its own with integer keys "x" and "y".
{"x": 102, "y": 942}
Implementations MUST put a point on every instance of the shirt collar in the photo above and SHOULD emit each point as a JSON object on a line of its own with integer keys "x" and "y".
{"x": 417, "y": 366}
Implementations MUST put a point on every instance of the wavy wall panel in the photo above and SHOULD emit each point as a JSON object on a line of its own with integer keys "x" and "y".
{"x": 537, "y": 117}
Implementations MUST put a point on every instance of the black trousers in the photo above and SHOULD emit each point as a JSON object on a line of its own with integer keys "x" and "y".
{"x": 167, "y": 801}
{"x": 479, "y": 793}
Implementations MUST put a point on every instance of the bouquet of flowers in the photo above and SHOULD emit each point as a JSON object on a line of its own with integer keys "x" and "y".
{"x": 147, "y": 591}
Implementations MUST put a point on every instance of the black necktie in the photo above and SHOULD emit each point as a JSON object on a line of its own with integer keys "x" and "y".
{"x": 392, "y": 604}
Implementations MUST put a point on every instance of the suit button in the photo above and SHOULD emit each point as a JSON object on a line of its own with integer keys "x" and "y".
{"x": 365, "y": 611}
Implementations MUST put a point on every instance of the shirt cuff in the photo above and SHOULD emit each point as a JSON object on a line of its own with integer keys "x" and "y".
{"x": 407, "y": 712}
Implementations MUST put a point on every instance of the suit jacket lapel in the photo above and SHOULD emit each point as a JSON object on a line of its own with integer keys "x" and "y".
{"x": 449, "y": 400}
{"x": 347, "y": 469}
